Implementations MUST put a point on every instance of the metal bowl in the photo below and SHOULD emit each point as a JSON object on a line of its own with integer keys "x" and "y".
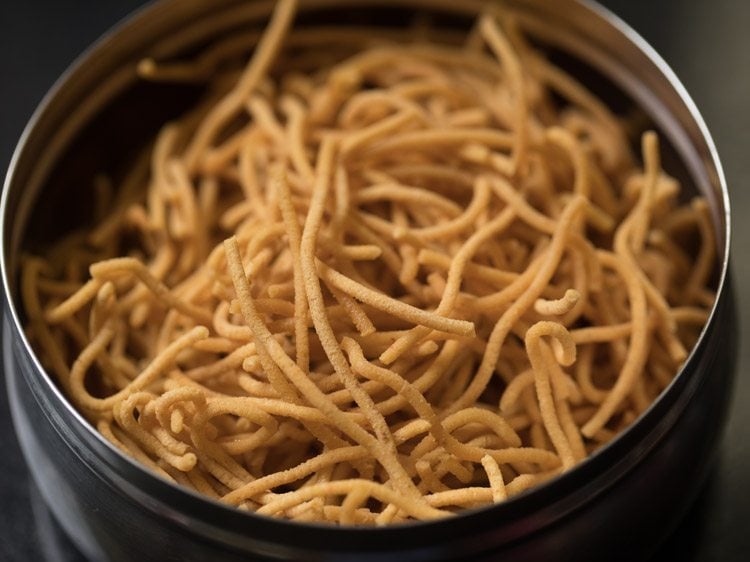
{"x": 617, "y": 504}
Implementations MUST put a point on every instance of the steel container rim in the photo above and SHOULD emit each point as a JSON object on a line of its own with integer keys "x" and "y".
{"x": 485, "y": 518}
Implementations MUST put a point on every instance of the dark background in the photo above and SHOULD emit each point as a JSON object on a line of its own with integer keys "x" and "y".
{"x": 706, "y": 42}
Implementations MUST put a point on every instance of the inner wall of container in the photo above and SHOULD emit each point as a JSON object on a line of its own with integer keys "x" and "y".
{"x": 109, "y": 143}
{"x": 75, "y": 139}
{"x": 46, "y": 201}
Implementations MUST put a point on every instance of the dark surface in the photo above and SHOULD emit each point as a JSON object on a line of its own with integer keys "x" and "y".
{"x": 707, "y": 44}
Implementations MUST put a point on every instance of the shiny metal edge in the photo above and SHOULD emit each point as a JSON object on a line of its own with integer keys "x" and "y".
{"x": 9, "y": 307}
{"x": 695, "y": 114}
{"x": 144, "y": 14}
